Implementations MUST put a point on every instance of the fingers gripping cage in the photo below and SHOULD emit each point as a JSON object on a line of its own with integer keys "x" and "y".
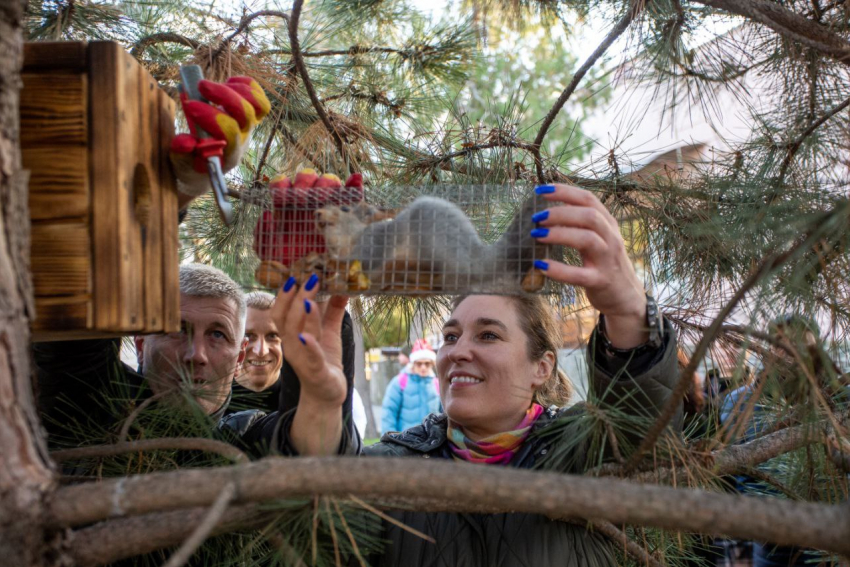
{"x": 404, "y": 240}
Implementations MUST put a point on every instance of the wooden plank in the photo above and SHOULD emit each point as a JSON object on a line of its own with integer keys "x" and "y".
{"x": 59, "y": 182}
{"x": 64, "y": 56}
{"x": 130, "y": 136}
{"x": 104, "y": 157}
{"x": 54, "y": 110}
{"x": 150, "y": 196}
{"x": 62, "y": 318}
{"x": 170, "y": 236}
{"x": 61, "y": 259}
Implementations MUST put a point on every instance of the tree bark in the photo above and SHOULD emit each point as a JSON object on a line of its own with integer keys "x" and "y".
{"x": 361, "y": 384}
{"x": 473, "y": 489}
{"x": 24, "y": 472}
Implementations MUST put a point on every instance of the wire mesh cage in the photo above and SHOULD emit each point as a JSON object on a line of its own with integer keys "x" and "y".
{"x": 400, "y": 240}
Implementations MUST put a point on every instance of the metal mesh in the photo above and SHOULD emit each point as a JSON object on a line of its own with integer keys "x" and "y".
{"x": 403, "y": 240}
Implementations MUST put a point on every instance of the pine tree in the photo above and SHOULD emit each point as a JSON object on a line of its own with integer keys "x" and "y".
{"x": 759, "y": 231}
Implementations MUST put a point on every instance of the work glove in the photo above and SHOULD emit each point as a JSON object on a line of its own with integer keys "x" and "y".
{"x": 288, "y": 231}
{"x": 234, "y": 110}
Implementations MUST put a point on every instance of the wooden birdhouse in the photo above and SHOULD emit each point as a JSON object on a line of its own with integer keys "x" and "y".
{"x": 95, "y": 132}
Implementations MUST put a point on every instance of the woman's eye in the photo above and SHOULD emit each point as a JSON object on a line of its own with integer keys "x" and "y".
{"x": 489, "y": 336}
{"x": 449, "y": 337}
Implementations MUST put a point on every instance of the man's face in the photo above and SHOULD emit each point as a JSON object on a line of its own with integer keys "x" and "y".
{"x": 204, "y": 355}
{"x": 264, "y": 353}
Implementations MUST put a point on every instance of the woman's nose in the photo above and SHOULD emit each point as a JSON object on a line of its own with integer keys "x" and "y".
{"x": 461, "y": 350}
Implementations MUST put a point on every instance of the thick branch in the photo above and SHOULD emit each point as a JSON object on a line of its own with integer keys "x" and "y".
{"x": 163, "y": 444}
{"x": 766, "y": 268}
{"x": 554, "y": 495}
{"x": 789, "y": 24}
{"x": 353, "y": 50}
{"x": 794, "y": 146}
{"x": 243, "y": 25}
{"x": 164, "y": 37}
{"x": 308, "y": 85}
{"x": 618, "y": 30}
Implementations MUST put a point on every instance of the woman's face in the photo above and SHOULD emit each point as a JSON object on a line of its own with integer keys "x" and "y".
{"x": 486, "y": 378}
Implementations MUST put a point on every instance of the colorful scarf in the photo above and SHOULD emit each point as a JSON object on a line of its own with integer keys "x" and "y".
{"x": 497, "y": 449}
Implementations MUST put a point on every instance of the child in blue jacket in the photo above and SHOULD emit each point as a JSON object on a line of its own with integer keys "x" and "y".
{"x": 414, "y": 393}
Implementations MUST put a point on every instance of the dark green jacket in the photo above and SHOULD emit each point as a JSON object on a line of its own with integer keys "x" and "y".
{"x": 519, "y": 539}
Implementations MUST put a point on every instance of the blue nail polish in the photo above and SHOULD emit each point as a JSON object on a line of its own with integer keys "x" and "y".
{"x": 541, "y": 216}
{"x": 541, "y": 265}
{"x": 307, "y": 305}
{"x": 544, "y": 189}
{"x": 311, "y": 283}
{"x": 540, "y": 232}
{"x": 288, "y": 285}
{"x": 301, "y": 338}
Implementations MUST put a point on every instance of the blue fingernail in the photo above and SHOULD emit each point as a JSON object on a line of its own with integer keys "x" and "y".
{"x": 540, "y": 232}
{"x": 541, "y": 265}
{"x": 307, "y": 305}
{"x": 288, "y": 285}
{"x": 541, "y": 216}
{"x": 311, "y": 283}
{"x": 544, "y": 189}
{"x": 301, "y": 338}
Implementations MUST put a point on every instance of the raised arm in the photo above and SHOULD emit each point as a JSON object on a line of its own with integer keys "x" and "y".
{"x": 312, "y": 346}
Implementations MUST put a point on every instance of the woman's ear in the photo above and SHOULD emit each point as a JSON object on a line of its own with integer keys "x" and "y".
{"x": 544, "y": 370}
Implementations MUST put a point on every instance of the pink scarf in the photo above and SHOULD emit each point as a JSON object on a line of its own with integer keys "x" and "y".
{"x": 497, "y": 449}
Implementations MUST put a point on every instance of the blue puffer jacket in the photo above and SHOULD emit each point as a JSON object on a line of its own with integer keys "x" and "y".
{"x": 409, "y": 399}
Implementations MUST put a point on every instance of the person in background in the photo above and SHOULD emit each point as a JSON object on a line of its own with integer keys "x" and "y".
{"x": 414, "y": 393}
{"x": 257, "y": 386}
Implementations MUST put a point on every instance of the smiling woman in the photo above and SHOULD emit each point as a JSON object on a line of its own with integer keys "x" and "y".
{"x": 502, "y": 393}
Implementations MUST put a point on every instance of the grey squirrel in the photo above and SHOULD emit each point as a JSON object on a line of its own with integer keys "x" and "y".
{"x": 431, "y": 246}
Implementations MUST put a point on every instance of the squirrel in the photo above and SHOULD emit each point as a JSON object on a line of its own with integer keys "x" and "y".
{"x": 432, "y": 246}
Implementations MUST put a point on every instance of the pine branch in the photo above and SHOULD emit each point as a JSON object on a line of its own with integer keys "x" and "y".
{"x": 353, "y": 50}
{"x": 554, "y": 495}
{"x": 202, "y": 532}
{"x": 163, "y": 37}
{"x": 789, "y": 24}
{"x": 794, "y": 146}
{"x": 619, "y": 537}
{"x": 767, "y": 267}
{"x": 243, "y": 25}
{"x": 308, "y": 85}
{"x": 162, "y": 444}
{"x": 612, "y": 36}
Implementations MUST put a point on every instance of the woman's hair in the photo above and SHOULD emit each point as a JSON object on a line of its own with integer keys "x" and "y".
{"x": 544, "y": 335}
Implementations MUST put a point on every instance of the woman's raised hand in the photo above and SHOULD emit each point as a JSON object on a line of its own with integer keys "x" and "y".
{"x": 582, "y": 222}
{"x": 311, "y": 340}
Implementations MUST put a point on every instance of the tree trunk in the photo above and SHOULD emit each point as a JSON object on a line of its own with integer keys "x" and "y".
{"x": 24, "y": 473}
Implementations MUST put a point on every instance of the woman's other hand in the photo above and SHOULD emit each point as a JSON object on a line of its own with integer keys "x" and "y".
{"x": 312, "y": 346}
{"x": 582, "y": 222}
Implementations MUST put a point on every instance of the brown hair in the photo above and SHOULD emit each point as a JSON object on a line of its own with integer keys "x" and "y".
{"x": 544, "y": 335}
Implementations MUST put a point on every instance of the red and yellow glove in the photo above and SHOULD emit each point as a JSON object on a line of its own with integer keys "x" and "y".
{"x": 289, "y": 232}
{"x": 235, "y": 109}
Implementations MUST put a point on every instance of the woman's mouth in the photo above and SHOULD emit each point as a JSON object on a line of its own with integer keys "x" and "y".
{"x": 462, "y": 381}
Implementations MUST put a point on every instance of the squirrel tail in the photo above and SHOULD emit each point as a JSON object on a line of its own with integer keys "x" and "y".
{"x": 515, "y": 251}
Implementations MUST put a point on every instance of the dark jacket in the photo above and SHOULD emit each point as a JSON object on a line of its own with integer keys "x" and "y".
{"x": 639, "y": 383}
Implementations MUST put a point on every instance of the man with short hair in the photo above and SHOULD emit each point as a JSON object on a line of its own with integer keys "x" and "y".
{"x": 257, "y": 385}
{"x": 81, "y": 383}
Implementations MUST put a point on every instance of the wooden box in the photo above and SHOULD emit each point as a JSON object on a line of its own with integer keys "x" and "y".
{"x": 95, "y": 131}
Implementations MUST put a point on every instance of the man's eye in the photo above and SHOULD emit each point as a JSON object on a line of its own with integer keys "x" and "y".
{"x": 272, "y": 337}
{"x": 251, "y": 337}
{"x": 218, "y": 335}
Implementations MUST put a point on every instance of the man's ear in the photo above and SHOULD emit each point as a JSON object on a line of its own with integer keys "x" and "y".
{"x": 544, "y": 369}
{"x": 241, "y": 358}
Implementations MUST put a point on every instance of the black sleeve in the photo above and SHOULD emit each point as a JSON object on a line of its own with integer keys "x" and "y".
{"x": 71, "y": 378}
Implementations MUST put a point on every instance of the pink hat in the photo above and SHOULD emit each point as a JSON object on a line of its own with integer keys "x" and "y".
{"x": 421, "y": 351}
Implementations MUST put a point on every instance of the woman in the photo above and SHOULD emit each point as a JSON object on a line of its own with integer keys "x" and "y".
{"x": 498, "y": 378}
{"x": 413, "y": 394}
